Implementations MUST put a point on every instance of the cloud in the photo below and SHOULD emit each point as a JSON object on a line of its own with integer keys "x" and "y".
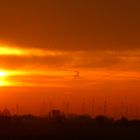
{"x": 32, "y": 67}
{"x": 41, "y": 59}
{"x": 16, "y": 51}
{"x": 71, "y": 26}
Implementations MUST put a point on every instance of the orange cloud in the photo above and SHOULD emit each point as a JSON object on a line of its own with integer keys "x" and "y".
{"x": 94, "y": 67}
{"x": 16, "y": 51}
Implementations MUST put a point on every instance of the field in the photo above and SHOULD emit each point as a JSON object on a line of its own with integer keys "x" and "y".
{"x": 29, "y": 127}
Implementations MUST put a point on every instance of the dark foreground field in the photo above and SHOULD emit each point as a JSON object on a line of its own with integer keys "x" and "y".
{"x": 37, "y": 129}
{"x": 69, "y": 132}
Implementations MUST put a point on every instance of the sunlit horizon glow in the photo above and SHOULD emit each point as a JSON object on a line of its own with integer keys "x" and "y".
{"x": 63, "y": 78}
{"x": 39, "y": 73}
{"x": 18, "y": 51}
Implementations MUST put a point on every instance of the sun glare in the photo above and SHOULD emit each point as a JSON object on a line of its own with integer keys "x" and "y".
{"x": 2, "y": 74}
{"x": 2, "y": 83}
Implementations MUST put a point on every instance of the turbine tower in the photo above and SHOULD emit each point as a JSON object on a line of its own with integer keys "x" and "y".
{"x": 92, "y": 107}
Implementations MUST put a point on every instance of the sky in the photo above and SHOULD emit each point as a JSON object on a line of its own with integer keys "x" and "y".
{"x": 70, "y": 50}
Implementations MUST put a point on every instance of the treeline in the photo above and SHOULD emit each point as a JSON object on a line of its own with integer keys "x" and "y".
{"x": 56, "y": 116}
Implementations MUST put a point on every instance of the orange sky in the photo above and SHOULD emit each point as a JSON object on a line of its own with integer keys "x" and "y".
{"x": 44, "y": 44}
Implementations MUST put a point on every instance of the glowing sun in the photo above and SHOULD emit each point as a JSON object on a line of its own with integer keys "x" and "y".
{"x": 3, "y": 76}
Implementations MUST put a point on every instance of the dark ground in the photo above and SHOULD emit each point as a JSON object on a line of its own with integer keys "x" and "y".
{"x": 58, "y": 126}
{"x": 69, "y": 131}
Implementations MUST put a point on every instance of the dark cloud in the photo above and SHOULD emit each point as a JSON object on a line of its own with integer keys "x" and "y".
{"x": 71, "y": 25}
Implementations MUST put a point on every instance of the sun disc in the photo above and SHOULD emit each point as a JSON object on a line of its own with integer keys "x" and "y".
{"x": 2, "y": 74}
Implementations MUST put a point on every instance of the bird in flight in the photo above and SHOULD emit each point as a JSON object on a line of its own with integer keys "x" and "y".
{"x": 76, "y": 74}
